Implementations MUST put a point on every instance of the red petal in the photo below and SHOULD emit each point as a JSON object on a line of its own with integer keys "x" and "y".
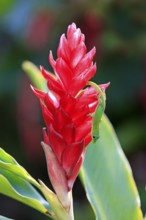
{"x": 63, "y": 49}
{"x": 75, "y": 39}
{"x": 61, "y": 118}
{"x": 70, "y": 30}
{"x": 88, "y": 139}
{"x": 63, "y": 72}
{"x": 57, "y": 142}
{"x": 53, "y": 82}
{"x": 46, "y": 74}
{"x": 93, "y": 106}
{"x": 51, "y": 101}
{"x": 87, "y": 95}
{"x": 38, "y": 93}
{"x": 89, "y": 73}
{"x": 68, "y": 103}
{"x": 84, "y": 129}
{"x": 90, "y": 97}
{"x": 46, "y": 138}
{"x": 80, "y": 81}
{"x": 53, "y": 64}
{"x": 86, "y": 62}
{"x": 47, "y": 115}
{"x": 51, "y": 60}
{"x": 75, "y": 171}
{"x": 104, "y": 86}
{"x": 56, "y": 87}
{"x": 77, "y": 54}
{"x": 68, "y": 133}
{"x": 71, "y": 156}
{"x": 79, "y": 116}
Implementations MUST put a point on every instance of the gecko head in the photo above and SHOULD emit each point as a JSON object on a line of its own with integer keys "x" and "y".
{"x": 95, "y": 138}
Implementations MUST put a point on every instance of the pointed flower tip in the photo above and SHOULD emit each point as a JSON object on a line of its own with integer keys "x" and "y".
{"x": 46, "y": 139}
{"x": 44, "y": 72}
{"x": 72, "y": 26}
{"x": 35, "y": 91}
{"x": 38, "y": 93}
{"x": 108, "y": 84}
{"x": 105, "y": 86}
{"x": 45, "y": 146}
{"x": 41, "y": 67}
{"x": 32, "y": 88}
{"x": 51, "y": 59}
{"x": 50, "y": 53}
{"x": 94, "y": 49}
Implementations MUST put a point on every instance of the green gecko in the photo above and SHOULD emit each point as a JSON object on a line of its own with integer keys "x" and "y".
{"x": 98, "y": 112}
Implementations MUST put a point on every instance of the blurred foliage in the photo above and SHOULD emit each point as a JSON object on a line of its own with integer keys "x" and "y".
{"x": 5, "y": 6}
{"x": 29, "y": 29}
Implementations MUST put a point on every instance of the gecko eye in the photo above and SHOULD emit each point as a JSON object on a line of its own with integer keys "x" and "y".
{"x": 95, "y": 138}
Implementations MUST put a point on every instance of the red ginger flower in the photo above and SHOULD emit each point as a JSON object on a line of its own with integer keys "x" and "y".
{"x": 67, "y": 109}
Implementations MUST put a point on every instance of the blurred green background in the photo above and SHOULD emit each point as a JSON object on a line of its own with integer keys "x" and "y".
{"x": 28, "y": 30}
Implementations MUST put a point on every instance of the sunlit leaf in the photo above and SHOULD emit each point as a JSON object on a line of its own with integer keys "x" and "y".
{"x": 108, "y": 179}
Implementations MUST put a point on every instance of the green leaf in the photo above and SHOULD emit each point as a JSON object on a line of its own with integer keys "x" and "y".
{"x": 4, "y": 218}
{"x": 108, "y": 179}
{"x": 9, "y": 163}
{"x": 21, "y": 190}
{"x": 15, "y": 182}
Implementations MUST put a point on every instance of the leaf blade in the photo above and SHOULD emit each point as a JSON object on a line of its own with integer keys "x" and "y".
{"x": 15, "y": 182}
{"x": 29, "y": 196}
{"x": 113, "y": 179}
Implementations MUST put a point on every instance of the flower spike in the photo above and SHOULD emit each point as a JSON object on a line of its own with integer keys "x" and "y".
{"x": 68, "y": 108}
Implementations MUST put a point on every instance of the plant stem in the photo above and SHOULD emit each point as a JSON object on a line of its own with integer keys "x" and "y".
{"x": 71, "y": 212}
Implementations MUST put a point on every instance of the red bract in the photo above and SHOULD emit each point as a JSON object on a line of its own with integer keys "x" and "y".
{"x": 67, "y": 108}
